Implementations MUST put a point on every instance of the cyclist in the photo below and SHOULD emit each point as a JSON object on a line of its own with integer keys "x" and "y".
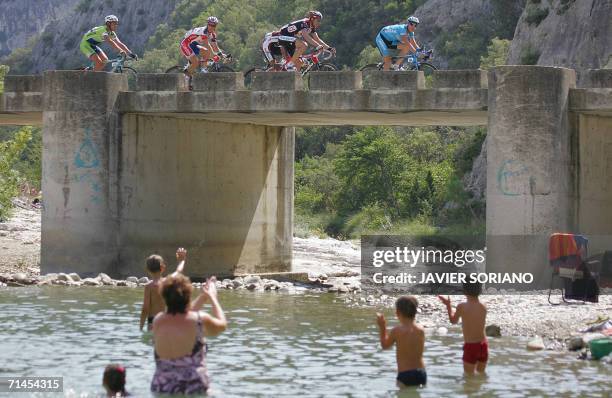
{"x": 201, "y": 43}
{"x": 272, "y": 50}
{"x": 297, "y": 35}
{"x": 400, "y": 37}
{"x": 105, "y": 33}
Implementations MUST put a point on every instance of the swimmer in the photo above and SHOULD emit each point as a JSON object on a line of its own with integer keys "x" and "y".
{"x": 153, "y": 302}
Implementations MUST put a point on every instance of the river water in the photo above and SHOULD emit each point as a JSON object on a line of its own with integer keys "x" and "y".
{"x": 276, "y": 345}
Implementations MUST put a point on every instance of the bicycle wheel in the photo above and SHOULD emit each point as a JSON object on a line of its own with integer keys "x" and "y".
{"x": 427, "y": 68}
{"x": 248, "y": 75}
{"x": 326, "y": 67}
{"x": 371, "y": 67}
{"x": 175, "y": 69}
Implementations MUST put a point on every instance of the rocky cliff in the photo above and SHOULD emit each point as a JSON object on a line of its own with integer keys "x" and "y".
{"x": 57, "y": 46}
{"x": 22, "y": 19}
{"x": 571, "y": 33}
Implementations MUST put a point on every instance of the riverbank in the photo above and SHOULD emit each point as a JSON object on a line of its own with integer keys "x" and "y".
{"x": 333, "y": 266}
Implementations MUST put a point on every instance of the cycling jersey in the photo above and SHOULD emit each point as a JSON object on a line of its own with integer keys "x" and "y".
{"x": 93, "y": 37}
{"x": 296, "y": 28}
{"x": 394, "y": 33}
{"x": 195, "y": 37}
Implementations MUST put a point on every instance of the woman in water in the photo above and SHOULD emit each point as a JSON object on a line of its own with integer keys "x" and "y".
{"x": 180, "y": 349}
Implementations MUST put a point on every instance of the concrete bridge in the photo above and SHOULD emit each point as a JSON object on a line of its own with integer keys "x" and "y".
{"x": 131, "y": 172}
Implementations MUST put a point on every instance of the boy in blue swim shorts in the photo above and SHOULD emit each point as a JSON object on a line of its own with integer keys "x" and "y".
{"x": 409, "y": 338}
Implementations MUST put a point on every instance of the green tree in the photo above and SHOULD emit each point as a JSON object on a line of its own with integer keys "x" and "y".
{"x": 10, "y": 152}
{"x": 497, "y": 53}
{"x": 4, "y": 69}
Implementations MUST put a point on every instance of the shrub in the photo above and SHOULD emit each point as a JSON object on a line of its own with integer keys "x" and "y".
{"x": 497, "y": 53}
{"x": 530, "y": 56}
{"x": 10, "y": 178}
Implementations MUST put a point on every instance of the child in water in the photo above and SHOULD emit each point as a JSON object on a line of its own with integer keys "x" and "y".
{"x": 473, "y": 315}
{"x": 409, "y": 338}
{"x": 153, "y": 302}
{"x": 114, "y": 381}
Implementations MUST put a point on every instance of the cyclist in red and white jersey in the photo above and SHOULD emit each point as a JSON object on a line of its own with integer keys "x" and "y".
{"x": 201, "y": 43}
{"x": 297, "y": 35}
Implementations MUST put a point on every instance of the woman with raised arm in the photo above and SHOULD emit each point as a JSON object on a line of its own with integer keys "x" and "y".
{"x": 178, "y": 333}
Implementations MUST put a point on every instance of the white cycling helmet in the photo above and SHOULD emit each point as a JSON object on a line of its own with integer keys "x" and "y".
{"x": 213, "y": 20}
{"x": 413, "y": 20}
{"x": 110, "y": 18}
{"x": 315, "y": 14}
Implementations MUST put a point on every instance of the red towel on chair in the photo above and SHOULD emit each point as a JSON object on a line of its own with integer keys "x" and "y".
{"x": 566, "y": 250}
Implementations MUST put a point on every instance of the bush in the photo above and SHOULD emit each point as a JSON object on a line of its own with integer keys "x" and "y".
{"x": 371, "y": 219}
{"x": 530, "y": 56}
{"x": 535, "y": 15}
{"x": 497, "y": 53}
{"x": 10, "y": 178}
{"x": 3, "y": 72}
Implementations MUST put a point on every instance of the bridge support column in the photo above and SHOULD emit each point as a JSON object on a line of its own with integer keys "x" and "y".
{"x": 530, "y": 167}
{"x": 79, "y": 224}
{"x": 224, "y": 191}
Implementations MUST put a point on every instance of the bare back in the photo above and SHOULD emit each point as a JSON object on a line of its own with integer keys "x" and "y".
{"x": 175, "y": 334}
{"x": 410, "y": 342}
{"x": 156, "y": 304}
{"x": 473, "y": 314}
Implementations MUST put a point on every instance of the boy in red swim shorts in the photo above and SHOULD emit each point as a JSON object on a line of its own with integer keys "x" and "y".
{"x": 473, "y": 315}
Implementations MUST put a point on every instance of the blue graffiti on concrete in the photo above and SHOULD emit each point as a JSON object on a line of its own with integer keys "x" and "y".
{"x": 512, "y": 175}
{"x": 86, "y": 161}
{"x": 87, "y": 155}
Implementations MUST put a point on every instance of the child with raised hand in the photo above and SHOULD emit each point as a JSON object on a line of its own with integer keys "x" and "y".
{"x": 409, "y": 338}
{"x": 114, "y": 381}
{"x": 153, "y": 303}
{"x": 473, "y": 315}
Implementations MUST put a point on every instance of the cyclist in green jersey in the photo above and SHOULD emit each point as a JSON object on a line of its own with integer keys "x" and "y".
{"x": 99, "y": 34}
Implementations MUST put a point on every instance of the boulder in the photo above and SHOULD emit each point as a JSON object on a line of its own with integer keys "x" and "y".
{"x": 575, "y": 343}
{"x": 535, "y": 344}
{"x": 252, "y": 279}
{"x": 105, "y": 279}
{"x": 143, "y": 280}
{"x": 91, "y": 282}
{"x": 493, "y": 331}
{"x": 74, "y": 276}
{"x": 132, "y": 279}
{"x": 64, "y": 277}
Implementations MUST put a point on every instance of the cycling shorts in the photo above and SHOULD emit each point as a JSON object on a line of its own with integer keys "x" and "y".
{"x": 386, "y": 47}
{"x": 288, "y": 42}
{"x": 190, "y": 48}
{"x": 90, "y": 47}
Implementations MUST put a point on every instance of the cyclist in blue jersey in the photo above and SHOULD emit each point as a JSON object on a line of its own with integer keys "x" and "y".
{"x": 397, "y": 40}
{"x": 105, "y": 33}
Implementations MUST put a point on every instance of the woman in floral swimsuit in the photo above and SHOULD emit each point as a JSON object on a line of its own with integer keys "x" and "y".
{"x": 180, "y": 349}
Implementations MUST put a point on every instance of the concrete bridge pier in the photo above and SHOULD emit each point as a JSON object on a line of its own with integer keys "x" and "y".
{"x": 119, "y": 187}
{"x": 79, "y": 221}
{"x": 531, "y": 166}
{"x": 222, "y": 190}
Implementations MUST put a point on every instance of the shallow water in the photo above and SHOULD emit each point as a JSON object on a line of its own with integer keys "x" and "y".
{"x": 277, "y": 344}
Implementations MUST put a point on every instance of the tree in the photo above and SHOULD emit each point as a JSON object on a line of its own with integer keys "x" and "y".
{"x": 497, "y": 53}
{"x": 10, "y": 151}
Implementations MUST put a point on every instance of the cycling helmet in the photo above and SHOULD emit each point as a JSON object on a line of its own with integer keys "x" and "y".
{"x": 315, "y": 14}
{"x": 413, "y": 20}
{"x": 213, "y": 20}
{"x": 110, "y": 18}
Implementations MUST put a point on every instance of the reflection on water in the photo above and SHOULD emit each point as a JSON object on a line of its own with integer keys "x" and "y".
{"x": 306, "y": 345}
